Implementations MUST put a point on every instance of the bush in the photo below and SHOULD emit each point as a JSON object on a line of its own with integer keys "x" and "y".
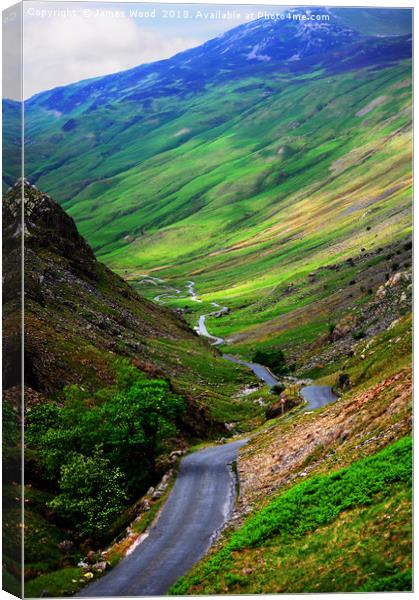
{"x": 274, "y": 359}
{"x": 91, "y": 493}
{"x": 278, "y": 388}
{"x": 358, "y": 335}
{"x": 130, "y": 423}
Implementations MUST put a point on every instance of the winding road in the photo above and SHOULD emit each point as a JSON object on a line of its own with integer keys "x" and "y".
{"x": 317, "y": 396}
{"x": 261, "y": 372}
{"x": 197, "y": 508}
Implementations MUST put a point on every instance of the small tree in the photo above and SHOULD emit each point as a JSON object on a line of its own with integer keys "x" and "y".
{"x": 274, "y": 359}
{"x": 277, "y": 389}
{"x": 91, "y": 493}
{"x": 131, "y": 424}
{"x": 139, "y": 422}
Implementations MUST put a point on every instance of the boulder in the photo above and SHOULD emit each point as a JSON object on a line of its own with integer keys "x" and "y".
{"x": 381, "y": 292}
{"x": 100, "y": 566}
{"x": 397, "y": 278}
{"x": 344, "y": 327}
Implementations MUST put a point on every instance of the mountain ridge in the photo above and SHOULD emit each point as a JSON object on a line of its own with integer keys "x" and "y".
{"x": 80, "y": 318}
{"x": 245, "y": 186}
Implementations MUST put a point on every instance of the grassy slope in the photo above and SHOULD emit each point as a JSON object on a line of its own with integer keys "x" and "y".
{"x": 362, "y": 544}
{"x": 345, "y": 531}
{"x": 260, "y": 201}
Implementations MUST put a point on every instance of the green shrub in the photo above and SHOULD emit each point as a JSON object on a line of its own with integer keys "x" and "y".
{"x": 130, "y": 423}
{"x": 274, "y": 359}
{"x": 278, "y": 388}
{"x": 91, "y": 493}
{"x": 358, "y": 335}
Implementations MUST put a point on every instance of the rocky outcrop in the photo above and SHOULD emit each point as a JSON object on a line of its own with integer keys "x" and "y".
{"x": 358, "y": 425}
{"x": 344, "y": 327}
{"x": 284, "y": 404}
{"x": 389, "y": 301}
{"x": 80, "y": 316}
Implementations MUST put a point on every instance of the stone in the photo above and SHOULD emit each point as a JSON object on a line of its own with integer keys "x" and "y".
{"x": 82, "y": 564}
{"x": 100, "y": 566}
{"x": 145, "y": 506}
{"x": 381, "y": 292}
{"x": 177, "y": 453}
{"x": 344, "y": 327}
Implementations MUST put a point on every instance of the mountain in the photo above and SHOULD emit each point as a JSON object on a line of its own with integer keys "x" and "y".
{"x": 81, "y": 318}
{"x": 88, "y": 336}
{"x": 272, "y": 166}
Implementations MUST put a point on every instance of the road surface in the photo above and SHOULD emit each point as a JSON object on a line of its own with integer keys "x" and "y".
{"x": 260, "y": 371}
{"x": 202, "y": 330}
{"x": 197, "y": 508}
{"x": 317, "y": 396}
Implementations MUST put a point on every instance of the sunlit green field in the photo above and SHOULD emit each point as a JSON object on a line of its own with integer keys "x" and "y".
{"x": 246, "y": 187}
{"x": 278, "y": 190}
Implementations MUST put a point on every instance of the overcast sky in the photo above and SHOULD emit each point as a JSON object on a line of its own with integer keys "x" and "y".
{"x": 65, "y": 42}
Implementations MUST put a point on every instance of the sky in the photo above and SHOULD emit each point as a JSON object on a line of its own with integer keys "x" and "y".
{"x": 65, "y": 42}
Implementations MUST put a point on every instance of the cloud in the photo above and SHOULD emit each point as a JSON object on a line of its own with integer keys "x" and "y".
{"x": 12, "y": 53}
{"x": 63, "y": 50}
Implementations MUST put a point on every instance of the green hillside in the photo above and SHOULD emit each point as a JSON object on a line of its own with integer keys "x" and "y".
{"x": 318, "y": 526}
{"x": 259, "y": 185}
{"x": 245, "y": 185}
{"x": 325, "y": 496}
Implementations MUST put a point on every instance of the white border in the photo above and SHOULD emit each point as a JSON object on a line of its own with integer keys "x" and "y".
{"x": 339, "y": 3}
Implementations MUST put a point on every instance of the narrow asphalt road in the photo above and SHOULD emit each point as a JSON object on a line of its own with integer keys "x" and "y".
{"x": 317, "y": 396}
{"x": 196, "y": 510}
{"x": 260, "y": 371}
{"x": 202, "y": 330}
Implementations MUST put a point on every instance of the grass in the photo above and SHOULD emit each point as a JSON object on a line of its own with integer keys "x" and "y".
{"x": 64, "y": 582}
{"x": 258, "y": 196}
{"x": 276, "y": 190}
{"x": 318, "y": 526}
